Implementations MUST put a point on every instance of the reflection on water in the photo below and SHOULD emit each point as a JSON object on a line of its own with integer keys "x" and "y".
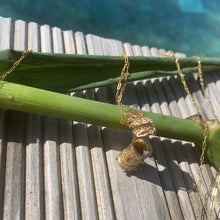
{"x": 189, "y": 26}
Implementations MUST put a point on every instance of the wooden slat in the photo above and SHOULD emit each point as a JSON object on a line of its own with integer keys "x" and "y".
{"x": 57, "y": 36}
{"x": 81, "y": 47}
{"x": 7, "y": 33}
{"x": 3, "y": 134}
{"x": 100, "y": 170}
{"x": 20, "y": 35}
{"x": 85, "y": 174}
{"x": 71, "y": 201}
{"x": 33, "y": 37}
{"x": 128, "y": 49}
{"x": 69, "y": 43}
{"x": 137, "y": 187}
{"x": 52, "y": 176}
{"x": 162, "y": 164}
{"x": 3, "y": 140}
{"x": 146, "y": 51}
{"x": 206, "y": 168}
{"x": 14, "y": 201}
{"x": 34, "y": 191}
{"x": 137, "y": 50}
{"x": 86, "y": 180}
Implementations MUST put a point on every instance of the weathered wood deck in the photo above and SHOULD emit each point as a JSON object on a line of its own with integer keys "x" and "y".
{"x": 57, "y": 169}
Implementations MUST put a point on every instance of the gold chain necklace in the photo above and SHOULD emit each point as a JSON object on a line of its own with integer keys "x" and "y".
{"x": 15, "y": 64}
{"x": 131, "y": 157}
{"x": 204, "y": 128}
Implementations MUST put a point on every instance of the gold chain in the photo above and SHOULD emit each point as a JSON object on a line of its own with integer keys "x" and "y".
{"x": 215, "y": 189}
{"x": 140, "y": 125}
{"x": 202, "y": 158}
{"x": 129, "y": 159}
{"x": 205, "y": 127}
{"x": 201, "y": 80}
{"x": 123, "y": 80}
{"x": 16, "y": 63}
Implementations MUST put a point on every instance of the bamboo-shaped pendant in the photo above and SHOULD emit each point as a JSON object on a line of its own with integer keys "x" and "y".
{"x": 132, "y": 156}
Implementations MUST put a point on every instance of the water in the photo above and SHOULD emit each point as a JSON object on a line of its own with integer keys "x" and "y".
{"x": 189, "y": 26}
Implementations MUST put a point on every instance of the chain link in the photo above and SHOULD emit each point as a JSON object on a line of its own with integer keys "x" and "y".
{"x": 140, "y": 125}
{"x": 123, "y": 80}
{"x": 16, "y": 63}
{"x": 205, "y": 126}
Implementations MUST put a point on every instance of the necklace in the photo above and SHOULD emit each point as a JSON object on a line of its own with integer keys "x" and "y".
{"x": 205, "y": 132}
{"x": 140, "y": 148}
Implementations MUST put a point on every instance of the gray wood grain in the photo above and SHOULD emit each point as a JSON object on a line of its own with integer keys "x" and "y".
{"x": 34, "y": 37}
{"x": 89, "y": 208}
{"x": 69, "y": 43}
{"x": 14, "y": 201}
{"x": 52, "y": 175}
{"x": 81, "y": 47}
{"x": 7, "y": 33}
{"x": 162, "y": 163}
{"x": 3, "y": 140}
{"x": 69, "y": 183}
{"x": 3, "y": 132}
{"x": 34, "y": 194}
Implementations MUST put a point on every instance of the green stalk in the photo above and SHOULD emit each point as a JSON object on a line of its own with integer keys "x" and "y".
{"x": 28, "y": 99}
{"x": 65, "y": 72}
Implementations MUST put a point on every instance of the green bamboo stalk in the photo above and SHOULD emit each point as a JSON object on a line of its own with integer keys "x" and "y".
{"x": 66, "y": 73}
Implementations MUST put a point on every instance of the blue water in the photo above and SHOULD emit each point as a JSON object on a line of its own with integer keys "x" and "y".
{"x": 189, "y": 26}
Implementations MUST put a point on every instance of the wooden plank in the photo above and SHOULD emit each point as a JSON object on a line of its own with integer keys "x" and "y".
{"x": 92, "y": 46}
{"x": 52, "y": 178}
{"x": 88, "y": 201}
{"x": 69, "y": 43}
{"x": 128, "y": 49}
{"x": 212, "y": 92}
{"x": 71, "y": 201}
{"x": 33, "y": 37}
{"x": 162, "y": 163}
{"x": 34, "y": 185}
{"x": 81, "y": 47}
{"x": 146, "y": 209}
{"x": 84, "y": 171}
{"x": 154, "y": 52}
{"x": 194, "y": 166}
{"x": 102, "y": 186}
{"x": 178, "y": 178}
{"x": 20, "y": 35}
{"x": 137, "y": 50}
{"x": 6, "y": 36}
{"x": 14, "y": 200}
{"x": 46, "y": 39}
{"x": 146, "y": 51}
{"x": 3, "y": 126}
{"x": 106, "y": 46}
{"x": 3, "y": 140}
{"x": 121, "y": 193}
{"x": 57, "y": 39}
{"x": 172, "y": 161}
{"x": 117, "y": 48}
